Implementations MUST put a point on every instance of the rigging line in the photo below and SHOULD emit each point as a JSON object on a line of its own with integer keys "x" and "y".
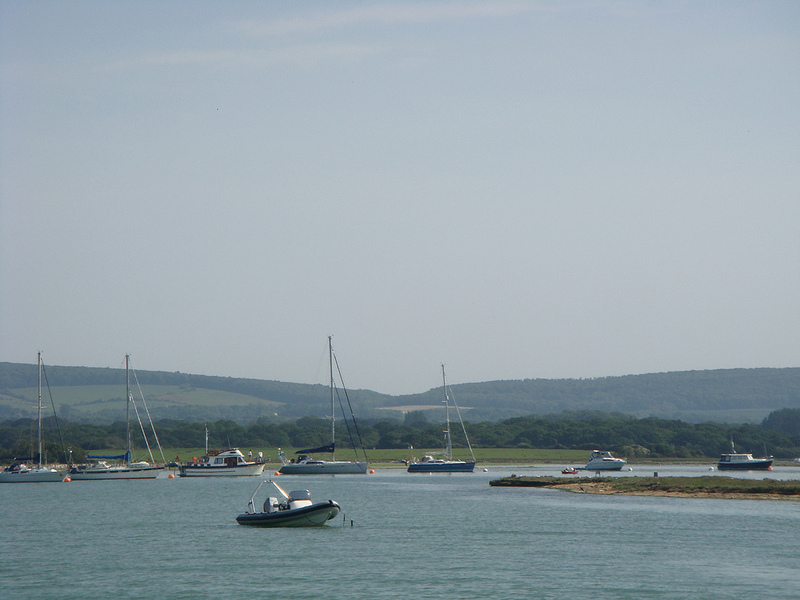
{"x": 460, "y": 420}
{"x": 55, "y": 416}
{"x": 346, "y": 424}
{"x": 141, "y": 426}
{"x": 147, "y": 410}
{"x": 352, "y": 414}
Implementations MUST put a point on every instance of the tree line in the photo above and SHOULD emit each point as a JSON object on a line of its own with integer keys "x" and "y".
{"x": 778, "y": 434}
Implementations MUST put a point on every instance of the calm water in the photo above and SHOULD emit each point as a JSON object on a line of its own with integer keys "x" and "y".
{"x": 414, "y": 536}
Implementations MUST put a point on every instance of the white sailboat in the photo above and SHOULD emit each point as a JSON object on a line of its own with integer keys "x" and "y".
{"x": 129, "y": 470}
{"x": 19, "y": 472}
{"x": 304, "y": 464}
{"x": 430, "y": 464}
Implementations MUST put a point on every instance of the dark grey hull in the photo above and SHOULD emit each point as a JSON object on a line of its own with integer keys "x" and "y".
{"x": 307, "y": 516}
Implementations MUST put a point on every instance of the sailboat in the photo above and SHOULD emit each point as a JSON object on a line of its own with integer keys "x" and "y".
{"x": 19, "y": 472}
{"x": 304, "y": 464}
{"x": 129, "y": 470}
{"x": 429, "y": 464}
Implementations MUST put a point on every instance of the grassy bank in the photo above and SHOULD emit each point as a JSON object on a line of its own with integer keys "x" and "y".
{"x": 708, "y": 486}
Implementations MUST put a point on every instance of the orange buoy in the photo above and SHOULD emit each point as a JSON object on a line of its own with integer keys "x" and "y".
{"x": 67, "y": 479}
{"x": 372, "y": 471}
{"x": 171, "y": 476}
{"x": 277, "y": 473}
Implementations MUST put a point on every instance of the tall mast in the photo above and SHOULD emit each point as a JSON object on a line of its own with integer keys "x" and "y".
{"x": 333, "y": 410}
{"x": 128, "y": 408}
{"x": 448, "y": 443}
{"x": 39, "y": 362}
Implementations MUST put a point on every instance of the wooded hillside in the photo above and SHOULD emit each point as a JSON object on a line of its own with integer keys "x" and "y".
{"x": 98, "y": 395}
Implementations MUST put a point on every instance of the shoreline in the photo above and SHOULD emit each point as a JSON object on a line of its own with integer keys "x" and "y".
{"x": 599, "y": 487}
{"x": 712, "y": 487}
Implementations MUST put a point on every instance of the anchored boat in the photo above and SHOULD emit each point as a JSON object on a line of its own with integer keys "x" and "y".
{"x": 429, "y": 464}
{"x": 19, "y": 472}
{"x": 601, "y": 460}
{"x": 221, "y": 464}
{"x": 307, "y": 465}
{"x": 295, "y": 509}
{"x": 743, "y": 462}
{"x": 101, "y": 470}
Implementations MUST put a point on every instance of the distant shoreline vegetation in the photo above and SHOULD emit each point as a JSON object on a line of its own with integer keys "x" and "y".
{"x": 625, "y": 436}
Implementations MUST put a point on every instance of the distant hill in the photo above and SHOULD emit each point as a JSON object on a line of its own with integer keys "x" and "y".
{"x": 98, "y": 395}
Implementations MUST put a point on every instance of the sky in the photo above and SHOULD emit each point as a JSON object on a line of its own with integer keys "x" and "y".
{"x": 516, "y": 190}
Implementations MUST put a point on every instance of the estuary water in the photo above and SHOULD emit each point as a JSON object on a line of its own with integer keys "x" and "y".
{"x": 412, "y": 536}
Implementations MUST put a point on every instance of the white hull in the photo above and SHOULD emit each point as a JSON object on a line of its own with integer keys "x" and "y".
{"x": 604, "y": 466}
{"x": 306, "y": 465}
{"x": 33, "y": 476}
{"x": 325, "y": 467}
{"x": 237, "y": 471}
{"x": 601, "y": 460}
{"x": 21, "y": 472}
{"x": 115, "y": 473}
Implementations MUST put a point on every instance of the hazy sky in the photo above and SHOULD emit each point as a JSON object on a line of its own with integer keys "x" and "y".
{"x": 537, "y": 189}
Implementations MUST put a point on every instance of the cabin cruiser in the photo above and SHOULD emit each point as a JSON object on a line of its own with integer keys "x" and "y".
{"x": 295, "y": 509}
{"x": 221, "y": 464}
{"x": 743, "y": 462}
{"x": 601, "y": 460}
